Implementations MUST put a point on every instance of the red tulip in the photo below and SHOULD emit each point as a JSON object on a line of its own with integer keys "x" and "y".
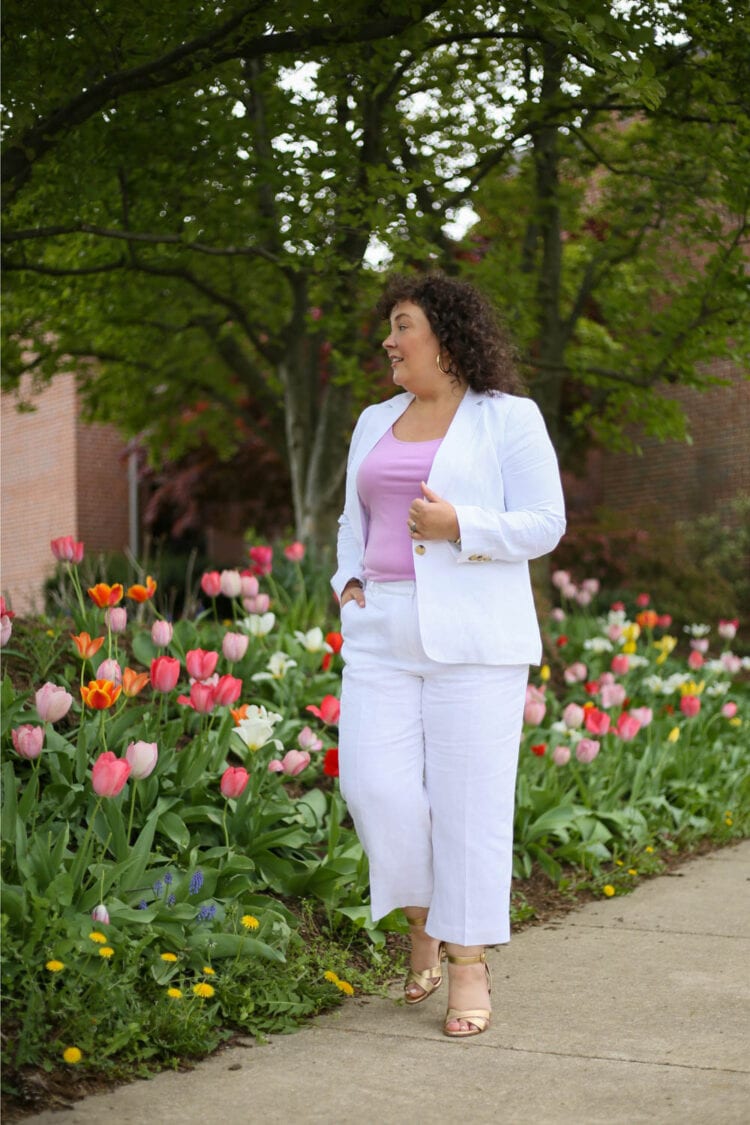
{"x": 262, "y": 560}
{"x": 540, "y": 749}
{"x": 100, "y": 694}
{"x": 233, "y": 781}
{"x": 227, "y": 690}
{"x": 165, "y": 672}
{"x": 66, "y": 549}
{"x": 331, "y": 762}
{"x": 109, "y": 774}
{"x": 201, "y": 664}
{"x": 329, "y": 710}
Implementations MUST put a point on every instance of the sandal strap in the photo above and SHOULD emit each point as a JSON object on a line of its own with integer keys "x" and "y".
{"x": 471, "y": 1015}
{"x": 417, "y": 923}
{"x": 475, "y": 959}
{"x": 425, "y": 976}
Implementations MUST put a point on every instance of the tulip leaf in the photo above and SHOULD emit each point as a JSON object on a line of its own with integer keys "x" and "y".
{"x": 233, "y": 945}
{"x": 10, "y": 803}
{"x": 173, "y": 827}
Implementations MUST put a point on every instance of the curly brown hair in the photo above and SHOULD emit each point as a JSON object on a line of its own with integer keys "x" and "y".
{"x": 478, "y": 349}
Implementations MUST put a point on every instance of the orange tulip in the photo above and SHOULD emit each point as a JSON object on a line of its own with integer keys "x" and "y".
{"x": 238, "y": 713}
{"x": 104, "y": 595}
{"x": 647, "y": 619}
{"x": 133, "y": 682}
{"x": 100, "y": 694}
{"x": 142, "y": 593}
{"x": 86, "y": 647}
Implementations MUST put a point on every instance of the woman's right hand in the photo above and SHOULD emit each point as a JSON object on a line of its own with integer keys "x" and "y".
{"x": 353, "y": 592}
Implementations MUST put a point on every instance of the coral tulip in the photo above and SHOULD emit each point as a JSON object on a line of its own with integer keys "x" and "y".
{"x": 627, "y": 726}
{"x": 86, "y": 646}
{"x": 116, "y": 618}
{"x": 66, "y": 549}
{"x": 586, "y": 750}
{"x": 165, "y": 672}
{"x": 201, "y": 697}
{"x": 233, "y": 781}
{"x": 109, "y": 774}
{"x": 201, "y": 664}
{"x": 227, "y": 690}
{"x": 142, "y": 757}
{"x": 133, "y": 683}
{"x": 162, "y": 633}
{"x": 234, "y": 646}
{"x": 329, "y": 709}
{"x": 695, "y": 660}
{"x": 331, "y": 762}
{"x": 690, "y": 705}
{"x": 28, "y": 740}
{"x": 230, "y": 583}
{"x": 52, "y": 702}
{"x": 100, "y": 694}
{"x": 295, "y": 552}
{"x": 262, "y": 560}
{"x": 620, "y": 663}
{"x": 211, "y": 583}
{"x": 104, "y": 595}
{"x": 596, "y": 722}
{"x": 140, "y": 593}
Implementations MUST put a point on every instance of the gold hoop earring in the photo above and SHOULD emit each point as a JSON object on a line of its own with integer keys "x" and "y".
{"x": 440, "y": 366}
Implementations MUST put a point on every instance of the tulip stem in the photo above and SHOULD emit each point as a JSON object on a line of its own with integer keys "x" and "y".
{"x": 132, "y": 810}
{"x": 224, "y": 826}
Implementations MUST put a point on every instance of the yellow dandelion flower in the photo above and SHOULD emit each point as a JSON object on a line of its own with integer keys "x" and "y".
{"x": 50, "y": 633}
{"x": 72, "y": 1055}
{"x": 632, "y": 871}
{"x": 205, "y": 991}
{"x": 649, "y": 849}
{"x": 106, "y": 951}
{"x": 168, "y": 956}
{"x": 728, "y": 821}
{"x": 174, "y": 993}
{"x": 673, "y": 735}
{"x": 208, "y": 971}
{"x": 735, "y": 722}
{"x": 249, "y": 922}
{"x": 345, "y": 987}
{"x": 55, "y": 966}
{"x": 330, "y": 977}
{"x": 609, "y": 890}
{"x": 100, "y": 938}
{"x": 544, "y": 673}
{"x": 618, "y": 862}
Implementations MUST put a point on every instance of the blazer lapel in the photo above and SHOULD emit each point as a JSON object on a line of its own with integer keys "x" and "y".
{"x": 459, "y": 438}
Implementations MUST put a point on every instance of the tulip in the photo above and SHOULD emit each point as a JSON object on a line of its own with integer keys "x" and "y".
{"x": 141, "y": 757}
{"x": 28, "y": 740}
{"x": 109, "y": 670}
{"x": 86, "y": 646}
{"x": 294, "y": 762}
{"x": 116, "y": 618}
{"x": 575, "y": 673}
{"x": 161, "y": 633}
{"x": 201, "y": 697}
{"x": 211, "y": 583}
{"x": 664, "y": 620}
{"x": 612, "y": 695}
{"x": 331, "y": 762}
{"x": 536, "y": 707}
{"x": 614, "y": 632}
{"x": 729, "y": 710}
{"x": 560, "y": 578}
{"x": 233, "y": 781}
{"x": 596, "y": 722}
{"x": 257, "y": 605}
{"x": 591, "y": 585}
{"x": 230, "y": 583}
{"x": 227, "y": 690}
{"x": 561, "y": 755}
{"x": 307, "y": 740}
{"x": 586, "y": 750}
{"x": 540, "y": 749}
{"x": 6, "y": 628}
{"x": 52, "y": 702}
{"x": 557, "y": 614}
{"x": 731, "y": 662}
{"x": 133, "y": 683}
{"x": 104, "y": 595}
{"x": 256, "y": 727}
{"x": 275, "y": 766}
{"x": 100, "y": 914}
{"x": 642, "y": 600}
{"x": 583, "y": 597}
{"x": 109, "y": 774}
{"x": 201, "y": 664}
{"x": 329, "y": 709}
{"x": 644, "y": 715}
{"x": 165, "y": 672}
{"x": 695, "y": 660}
{"x": 569, "y": 591}
{"x": 573, "y": 716}
{"x": 234, "y": 646}
{"x": 100, "y": 694}
{"x": 140, "y": 593}
{"x": 617, "y": 607}
{"x": 690, "y": 705}
{"x": 262, "y": 560}
{"x": 312, "y": 640}
{"x": 647, "y": 619}
{"x": 620, "y": 664}
{"x": 627, "y": 726}
{"x": 295, "y": 552}
{"x": 728, "y": 629}
{"x": 699, "y": 644}
{"x": 65, "y": 549}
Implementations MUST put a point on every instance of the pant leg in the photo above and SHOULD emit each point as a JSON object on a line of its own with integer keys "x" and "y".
{"x": 472, "y": 716}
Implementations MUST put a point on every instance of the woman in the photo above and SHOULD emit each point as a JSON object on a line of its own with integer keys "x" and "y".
{"x": 451, "y": 488}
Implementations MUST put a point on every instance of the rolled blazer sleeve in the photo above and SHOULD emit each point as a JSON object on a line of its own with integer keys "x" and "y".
{"x": 531, "y": 521}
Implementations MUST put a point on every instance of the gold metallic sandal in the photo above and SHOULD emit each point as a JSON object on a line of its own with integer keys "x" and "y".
{"x": 479, "y": 1017}
{"x": 429, "y": 980}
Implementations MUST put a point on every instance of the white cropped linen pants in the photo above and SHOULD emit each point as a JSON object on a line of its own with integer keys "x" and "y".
{"x": 427, "y": 757}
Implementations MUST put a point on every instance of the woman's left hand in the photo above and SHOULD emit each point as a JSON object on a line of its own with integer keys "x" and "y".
{"x": 431, "y": 517}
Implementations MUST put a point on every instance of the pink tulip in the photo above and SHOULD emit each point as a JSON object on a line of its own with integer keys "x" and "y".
{"x": 690, "y": 705}
{"x": 295, "y": 552}
{"x": 234, "y": 646}
{"x": 596, "y": 722}
{"x": 142, "y": 758}
{"x": 642, "y": 600}
{"x": 569, "y": 591}
{"x": 644, "y": 715}
{"x": 575, "y": 673}
{"x": 586, "y": 750}
{"x": 728, "y": 629}
{"x": 614, "y": 632}
{"x": 329, "y": 709}
{"x": 699, "y": 644}
{"x": 109, "y": 774}
{"x": 100, "y": 914}
{"x": 561, "y": 755}
{"x": 258, "y": 604}
{"x": 591, "y": 584}
{"x": 275, "y": 766}
{"x": 6, "y": 629}
{"x": 627, "y": 726}
{"x": 227, "y": 691}
{"x": 109, "y": 670}
{"x": 66, "y": 549}
{"x": 573, "y": 716}
{"x": 536, "y": 706}
{"x": 560, "y": 578}
{"x": 165, "y": 672}
{"x": 230, "y": 583}
{"x": 557, "y": 614}
{"x": 250, "y": 584}
{"x": 52, "y": 702}
{"x": 295, "y": 761}
{"x": 620, "y": 664}
{"x": 116, "y": 618}
{"x": 28, "y": 740}
{"x": 731, "y": 662}
{"x": 211, "y": 583}
{"x": 233, "y": 781}
{"x": 664, "y": 620}
{"x": 201, "y": 697}
{"x": 201, "y": 663}
{"x": 612, "y": 695}
{"x": 262, "y": 560}
{"x": 729, "y": 710}
{"x": 695, "y": 661}
{"x": 583, "y": 597}
{"x": 162, "y": 633}
{"x": 308, "y": 740}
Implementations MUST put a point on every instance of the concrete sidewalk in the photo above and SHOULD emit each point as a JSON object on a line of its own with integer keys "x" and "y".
{"x": 634, "y": 1009}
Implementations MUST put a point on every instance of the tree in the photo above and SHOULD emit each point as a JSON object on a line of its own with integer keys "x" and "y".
{"x": 195, "y": 225}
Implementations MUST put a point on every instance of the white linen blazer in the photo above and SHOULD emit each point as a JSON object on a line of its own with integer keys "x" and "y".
{"x": 497, "y": 467}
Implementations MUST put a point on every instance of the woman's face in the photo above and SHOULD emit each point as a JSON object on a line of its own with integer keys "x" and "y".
{"x": 412, "y": 349}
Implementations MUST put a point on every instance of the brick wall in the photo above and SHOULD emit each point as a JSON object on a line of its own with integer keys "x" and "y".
{"x": 59, "y": 477}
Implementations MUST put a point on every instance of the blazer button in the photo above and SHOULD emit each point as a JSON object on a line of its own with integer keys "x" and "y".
{"x": 419, "y": 549}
